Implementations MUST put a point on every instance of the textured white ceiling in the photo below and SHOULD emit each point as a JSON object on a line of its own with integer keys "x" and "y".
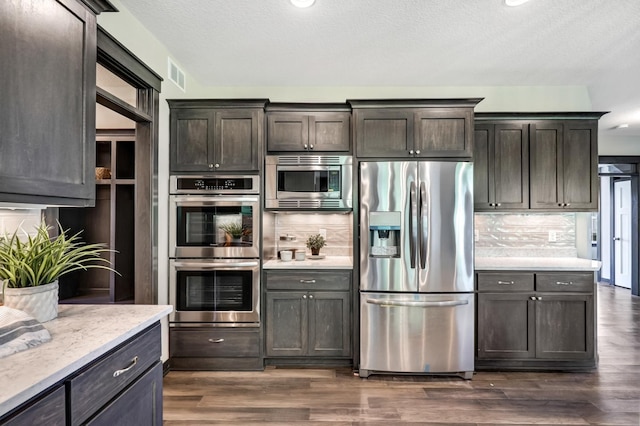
{"x": 593, "y": 43}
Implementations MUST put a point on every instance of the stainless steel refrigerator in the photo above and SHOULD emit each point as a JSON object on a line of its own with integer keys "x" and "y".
{"x": 416, "y": 267}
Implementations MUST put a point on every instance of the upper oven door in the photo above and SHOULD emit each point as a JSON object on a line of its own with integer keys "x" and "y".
{"x": 200, "y": 226}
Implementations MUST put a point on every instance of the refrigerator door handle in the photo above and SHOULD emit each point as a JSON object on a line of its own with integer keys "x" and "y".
{"x": 416, "y": 304}
{"x": 413, "y": 225}
{"x": 423, "y": 223}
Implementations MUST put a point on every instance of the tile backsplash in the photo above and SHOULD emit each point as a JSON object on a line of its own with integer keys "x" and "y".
{"x": 26, "y": 219}
{"x": 525, "y": 234}
{"x": 338, "y": 228}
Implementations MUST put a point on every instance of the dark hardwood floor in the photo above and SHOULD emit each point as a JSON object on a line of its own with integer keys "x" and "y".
{"x": 609, "y": 395}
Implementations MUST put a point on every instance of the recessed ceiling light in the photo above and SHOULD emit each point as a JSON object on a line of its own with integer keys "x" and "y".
{"x": 302, "y": 3}
{"x": 622, "y": 126}
{"x": 515, "y": 2}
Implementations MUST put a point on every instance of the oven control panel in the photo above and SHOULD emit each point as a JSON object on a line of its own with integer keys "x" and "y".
{"x": 217, "y": 184}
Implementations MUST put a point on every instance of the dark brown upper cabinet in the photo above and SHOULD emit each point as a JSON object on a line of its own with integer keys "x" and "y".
{"x": 216, "y": 135}
{"x": 564, "y": 165}
{"x": 414, "y": 128}
{"x": 501, "y": 166}
{"x": 48, "y": 102}
{"x": 561, "y": 172}
{"x": 308, "y": 128}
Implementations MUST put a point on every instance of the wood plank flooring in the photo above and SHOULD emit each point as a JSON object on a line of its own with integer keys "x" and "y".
{"x": 280, "y": 396}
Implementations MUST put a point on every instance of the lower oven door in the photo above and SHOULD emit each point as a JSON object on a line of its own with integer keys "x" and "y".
{"x": 215, "y": 292}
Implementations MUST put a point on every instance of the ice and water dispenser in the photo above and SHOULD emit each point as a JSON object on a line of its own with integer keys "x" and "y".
{"x": 384, "y": 234}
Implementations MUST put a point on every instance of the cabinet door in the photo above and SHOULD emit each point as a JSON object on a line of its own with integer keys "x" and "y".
{"x": 287, "y": 132}
{"x": 483, "y": 185}
{"x": 386, "y": 133}
{"x": 506, "y": 326}
{"x": 192, "y": 135}
{"x": 139, "y": 404}
{"x": 330, "y": 131}
{"x": 580, "y": 165}
{"x": 443, "y": 133}
{"x": 48, "y": 102}
{"x": 564, "y": 326}
{"x": 329, "y": 323}
{"x": 511, "y": 166}
{"x": 546, "y": 159}
{"x": 236, "y": 140}
{"x": 287, "y": 323}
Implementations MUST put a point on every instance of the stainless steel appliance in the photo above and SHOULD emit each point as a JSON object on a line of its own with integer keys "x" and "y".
{"x": 200, "y": 208}
{"x": 308, "y": 182}
{"x": 220, "y": 292}
{"x": 214, "y": 276}
{"x": 416, "y": 267}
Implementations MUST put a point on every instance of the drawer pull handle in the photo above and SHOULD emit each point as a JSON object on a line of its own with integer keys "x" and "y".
{"x": 216, "y": 340}
{"x": 506, "y": 283}
{"x": 134, "y": 361}
{"x": 308, "y": 281}
{"x": 564, "y": 282}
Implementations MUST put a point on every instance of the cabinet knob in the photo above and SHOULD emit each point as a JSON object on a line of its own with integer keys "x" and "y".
{"x": 411, "y": 151}
{"x": 417, "y": 152}
{"x": 304, "y": 296}
{"x": 311, "y": 146}
{"x": 211, "y": 166}
{"x": 539, "y": 297}
{"x": 532, "y": 298}
{"x": 311, "y": 296}
{"x": 217, "y": 165}
{"x": 305, "y": 146}
{"x": 567, "y": 204}
{"x": 498, "y": 204}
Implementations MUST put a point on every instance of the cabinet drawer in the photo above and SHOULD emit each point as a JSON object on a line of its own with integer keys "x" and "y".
{"x": 311, "y": 280}
{"x": 567, "y": 282}
{"x": 47, "y": 410}
{"x": 505, "y": 282}
{"x": 93, "y": 388}
{"x": 196, "y": 342}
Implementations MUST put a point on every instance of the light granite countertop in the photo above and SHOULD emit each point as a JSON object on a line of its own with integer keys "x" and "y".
{"x": 536, "y": 264}
{"x": 79, "y": 335}
{"x": 329, "y": 262}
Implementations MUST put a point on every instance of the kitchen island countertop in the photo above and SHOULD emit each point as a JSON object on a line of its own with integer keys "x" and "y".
{"x": 80, "y": 334}
{"x": 535, "y": 264}
{"x": 329, "y": 262}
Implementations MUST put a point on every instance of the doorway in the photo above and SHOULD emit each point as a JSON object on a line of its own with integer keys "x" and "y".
{"x": 618, "y": 224}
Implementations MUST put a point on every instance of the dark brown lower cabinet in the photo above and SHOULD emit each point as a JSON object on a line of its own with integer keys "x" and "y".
{"x": 519, "y": 327}
{"x": 123, "y": 387}
{"x": 308, "y": 316}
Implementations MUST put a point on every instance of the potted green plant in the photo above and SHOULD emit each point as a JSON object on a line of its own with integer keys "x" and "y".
{"x": 315, "y": 243}
{"x": 30, "y": 268}
{"x": 235, "y": 230}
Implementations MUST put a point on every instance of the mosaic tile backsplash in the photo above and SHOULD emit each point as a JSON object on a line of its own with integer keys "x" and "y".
{"x": 338, "y": 229}
{"x": 525, "y": 235}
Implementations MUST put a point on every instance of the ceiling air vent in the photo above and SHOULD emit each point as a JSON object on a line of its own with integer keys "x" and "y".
{"x": 176, "y": 75}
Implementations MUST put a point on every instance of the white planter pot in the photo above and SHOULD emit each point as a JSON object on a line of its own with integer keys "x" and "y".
{"x": 40, "y": 302}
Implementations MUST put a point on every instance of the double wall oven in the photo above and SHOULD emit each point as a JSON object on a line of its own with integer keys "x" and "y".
{"x": 214, "y": 240}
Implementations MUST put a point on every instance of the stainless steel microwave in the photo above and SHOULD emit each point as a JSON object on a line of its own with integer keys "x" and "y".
{"x": 309, "y": 182}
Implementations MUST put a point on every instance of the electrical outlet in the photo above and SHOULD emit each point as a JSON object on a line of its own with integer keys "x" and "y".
{"x": 552, "y": 236}
{"x": 323, "y": 232}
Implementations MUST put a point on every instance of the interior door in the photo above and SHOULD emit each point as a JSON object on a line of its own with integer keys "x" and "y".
{"x": 622, "y": 233}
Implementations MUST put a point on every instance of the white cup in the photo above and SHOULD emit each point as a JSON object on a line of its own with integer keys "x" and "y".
{"x": 300, "y": 255}
{"x": 286, "y": 255}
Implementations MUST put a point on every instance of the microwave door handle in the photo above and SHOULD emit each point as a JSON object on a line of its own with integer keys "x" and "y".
{"x": 215, "y": 265}
{"x": 413, "y": 231}
{"x": 424, "y": 224}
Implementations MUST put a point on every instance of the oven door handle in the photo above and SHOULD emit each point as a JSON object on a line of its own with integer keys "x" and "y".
{"x": 191, "y": 201}
{"x": 214, "y": 265}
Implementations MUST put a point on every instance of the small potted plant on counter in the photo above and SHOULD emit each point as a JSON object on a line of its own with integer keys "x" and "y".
{"x": 31, "y": 265}
{"x": 315, "y": 243}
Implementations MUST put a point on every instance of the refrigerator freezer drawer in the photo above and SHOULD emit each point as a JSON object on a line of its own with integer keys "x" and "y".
{"x": 417, "y": 333}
